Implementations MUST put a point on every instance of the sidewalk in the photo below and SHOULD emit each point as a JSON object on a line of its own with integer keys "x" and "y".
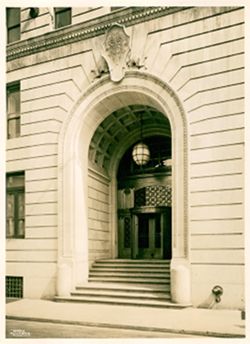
{"x": 217, "y": 323}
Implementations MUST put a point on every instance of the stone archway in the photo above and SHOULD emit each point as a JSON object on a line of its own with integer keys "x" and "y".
{"x": 92, "y": 108}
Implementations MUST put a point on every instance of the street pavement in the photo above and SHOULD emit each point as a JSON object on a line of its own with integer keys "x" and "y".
{"x": 33, "y": 329}
{"x": 187, "y": 321}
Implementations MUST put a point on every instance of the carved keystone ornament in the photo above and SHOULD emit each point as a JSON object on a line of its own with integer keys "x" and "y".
{"x": 116, "y": 49}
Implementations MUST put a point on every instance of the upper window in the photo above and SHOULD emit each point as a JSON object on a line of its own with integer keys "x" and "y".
{"x": 13, "y": 110}
{"x": 13, "y": 24}
{"x": 15, "y": 204}
{"x": 116, "y": 8}
{"x": 62, "y": 16}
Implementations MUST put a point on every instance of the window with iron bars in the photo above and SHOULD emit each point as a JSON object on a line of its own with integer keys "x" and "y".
{"x": 14, "y": 286}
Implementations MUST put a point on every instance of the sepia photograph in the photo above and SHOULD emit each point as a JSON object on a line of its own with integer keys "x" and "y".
{"x": 123, "y": 130}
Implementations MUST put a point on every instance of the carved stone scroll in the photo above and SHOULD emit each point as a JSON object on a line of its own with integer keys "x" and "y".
{"x": 116, "y": 50}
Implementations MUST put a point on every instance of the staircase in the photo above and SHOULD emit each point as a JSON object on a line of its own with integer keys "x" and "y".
{"x": 126, "y": 282}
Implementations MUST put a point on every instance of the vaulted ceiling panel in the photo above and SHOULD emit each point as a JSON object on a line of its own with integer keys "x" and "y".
{"x": 120, "y": 124}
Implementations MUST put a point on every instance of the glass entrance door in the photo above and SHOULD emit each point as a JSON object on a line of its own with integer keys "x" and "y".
{"x": 145, "y": 235}
{"x": 150, "y": 236}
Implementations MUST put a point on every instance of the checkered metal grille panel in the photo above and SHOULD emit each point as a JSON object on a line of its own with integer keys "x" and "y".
{"x": 127, "y": 232}
{"x": 14, "y": 286}
{"x": 158, "y": 195}
{"x": 154, "y": 195}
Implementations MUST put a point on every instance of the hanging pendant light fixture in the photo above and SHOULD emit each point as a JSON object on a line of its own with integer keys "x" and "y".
{"x": 141, "y": 153}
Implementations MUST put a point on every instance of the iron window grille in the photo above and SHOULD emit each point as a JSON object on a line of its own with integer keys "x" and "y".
{"x": 14, "y": 286}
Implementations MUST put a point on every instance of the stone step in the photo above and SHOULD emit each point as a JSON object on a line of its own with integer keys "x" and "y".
{"x": 129, "y": 288}
{"x": 148, "y": 262}
{"x": 122, "y": 295}
{"x": 130, "y": 267}
{"x": 142, "y": 280}
{"x": 134, "y": 270}
{"x": 123, "y": 274}
{"x": 117, "y": 301}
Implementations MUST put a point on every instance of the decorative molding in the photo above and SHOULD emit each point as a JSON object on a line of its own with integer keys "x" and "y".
{"x": 74, "y": 33}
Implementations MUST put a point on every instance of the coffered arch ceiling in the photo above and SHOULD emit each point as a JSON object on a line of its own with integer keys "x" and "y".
{"x": 124, "y": 125}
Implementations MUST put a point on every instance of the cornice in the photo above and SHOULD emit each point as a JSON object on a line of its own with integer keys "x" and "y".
{"x": 128, "y": 16}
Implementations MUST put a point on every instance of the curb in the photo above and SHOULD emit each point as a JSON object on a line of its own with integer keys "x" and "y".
{"x": 128, "y": 327}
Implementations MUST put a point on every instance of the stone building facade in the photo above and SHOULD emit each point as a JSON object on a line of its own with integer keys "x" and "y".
{"x": 83, "y": 86}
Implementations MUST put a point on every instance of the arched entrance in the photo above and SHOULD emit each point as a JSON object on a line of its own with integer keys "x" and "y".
{"x": 143, "y": 226}
{"x": 76, "y": 173}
